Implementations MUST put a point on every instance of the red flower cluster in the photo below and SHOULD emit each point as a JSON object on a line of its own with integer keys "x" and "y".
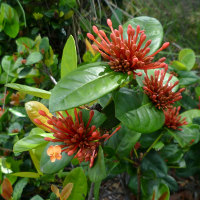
{"x": 76, "y": 136}
{"x": 126, "y": 55}
{"x": 173, "y": 119}
{"x": 161, "y": 94}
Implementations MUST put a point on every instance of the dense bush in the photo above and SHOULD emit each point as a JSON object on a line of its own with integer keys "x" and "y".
{"x": 105, "y": 101}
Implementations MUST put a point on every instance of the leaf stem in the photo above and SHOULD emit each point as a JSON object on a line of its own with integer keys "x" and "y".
{"x": 23, "y": 13}
{"x": 149, "y": 149}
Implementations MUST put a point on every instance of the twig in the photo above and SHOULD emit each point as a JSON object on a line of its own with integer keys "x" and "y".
{"x": 139, "y": 182}
{"x": 114, "y": 13}
{"x": 49, "y": 74}
{"x": 91, "y": 192}
{"x": 125, "y": 13}
{"x": 149, "y": 149}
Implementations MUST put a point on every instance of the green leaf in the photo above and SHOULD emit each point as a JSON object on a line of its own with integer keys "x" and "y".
{"x": 69, "y": 57}
{"x": 48, "y": 167}
{"x": 44, "y": 44}
{"x": 37, "y": 197}
{"x": 160, "y": 192}
{"x": 98, "y": 171}
{"x": 187, "y": 57}
{"x": 31, "y": 142}
{"x": 20, "y": 185}
{"x": 26, "y": 174}
{"x": 140, "y": 118}
{"x": 33, "y": 58}
{"x": 189, "y": 135}
{"x": 22, "y": 42}
{"x": 79, "y": 180}
{"x": 11, "y": 20}
{"x": 171, "y": 153}
{"x": 36, "y": 156}
{"x": 153, "y": 161}
{"x": 153, "y": 30}
{"x": 188, "y": 77}
{"x": 190, "y": 114}
{"x": 123, "y": 141}
{"x": 30, "y": 90}
{"x": 87, "y": 83}
{"x": 7, "y": 64}
{"x": 178, "y": 65}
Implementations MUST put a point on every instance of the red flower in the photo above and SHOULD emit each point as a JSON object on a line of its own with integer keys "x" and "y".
{"x": 173, "y": 119}
{"x": 126, "y": 55}
{"x": 76, "y": 136}
{"x": 161, "y": 94}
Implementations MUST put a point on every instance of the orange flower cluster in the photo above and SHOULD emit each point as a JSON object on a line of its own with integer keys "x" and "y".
{"x": 77, "y": 138}
{"x": 161, "y": 94}
{"x": 173, "y": 119}
{"x": 126, "y": 55}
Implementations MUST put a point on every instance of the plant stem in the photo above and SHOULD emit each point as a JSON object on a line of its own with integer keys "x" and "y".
{"x": 91, "y": 191}
{"x": 136, "y": 154}
{"x": 129, "y": 160}
{"x": 23, "y": 13}
{"x": 149, "y": 149}
{"x": 139, "y": 182}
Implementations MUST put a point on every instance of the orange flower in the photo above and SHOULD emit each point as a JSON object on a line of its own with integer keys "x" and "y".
{"x": 54, "y": 152}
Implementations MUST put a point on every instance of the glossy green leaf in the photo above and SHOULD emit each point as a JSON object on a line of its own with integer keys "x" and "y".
{"x": 33, "y": 58}
{"x": 87, "y": 83}
{"x": 188, "y": 77}
{"x": 26, "y": 174}
{"x": 150, "y": 73}
{"x": 190, "y": 114}
{"x": 69, "y": 57}
{"x": 18, "y": 189}
{"x": 153, "y": 30}
{"x": 79, "y": 180}
{"x": 187, "y": 57}
{"x": 189, "y": 135}
{"x": 98, "y": 171}
{"x": 31, "y": 142}
{"x": 48, "y": 167}
{"x": 178, "y": 65}
{"x": 171, "y": 153}
{"x": 123, "y": 141}
{"x": 160, "y": 192}
{"x": 30, "y": 90}
{"x": 153, "y": 161}
{"x": 130, "y": 111}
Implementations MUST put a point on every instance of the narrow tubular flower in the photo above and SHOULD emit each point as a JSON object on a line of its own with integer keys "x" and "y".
{"x": 173, "y": 119}
{"x": 77, "y": 138}
{"x": 161, "y": 94}
{"x": 126, "y": 55}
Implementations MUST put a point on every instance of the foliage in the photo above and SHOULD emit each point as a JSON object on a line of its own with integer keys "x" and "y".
{"x": 102, "y": 122}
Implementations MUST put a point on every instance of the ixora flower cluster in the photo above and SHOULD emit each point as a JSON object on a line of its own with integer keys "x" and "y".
{"x": 127, "y": 55}
{"x": 76, "y": 137}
